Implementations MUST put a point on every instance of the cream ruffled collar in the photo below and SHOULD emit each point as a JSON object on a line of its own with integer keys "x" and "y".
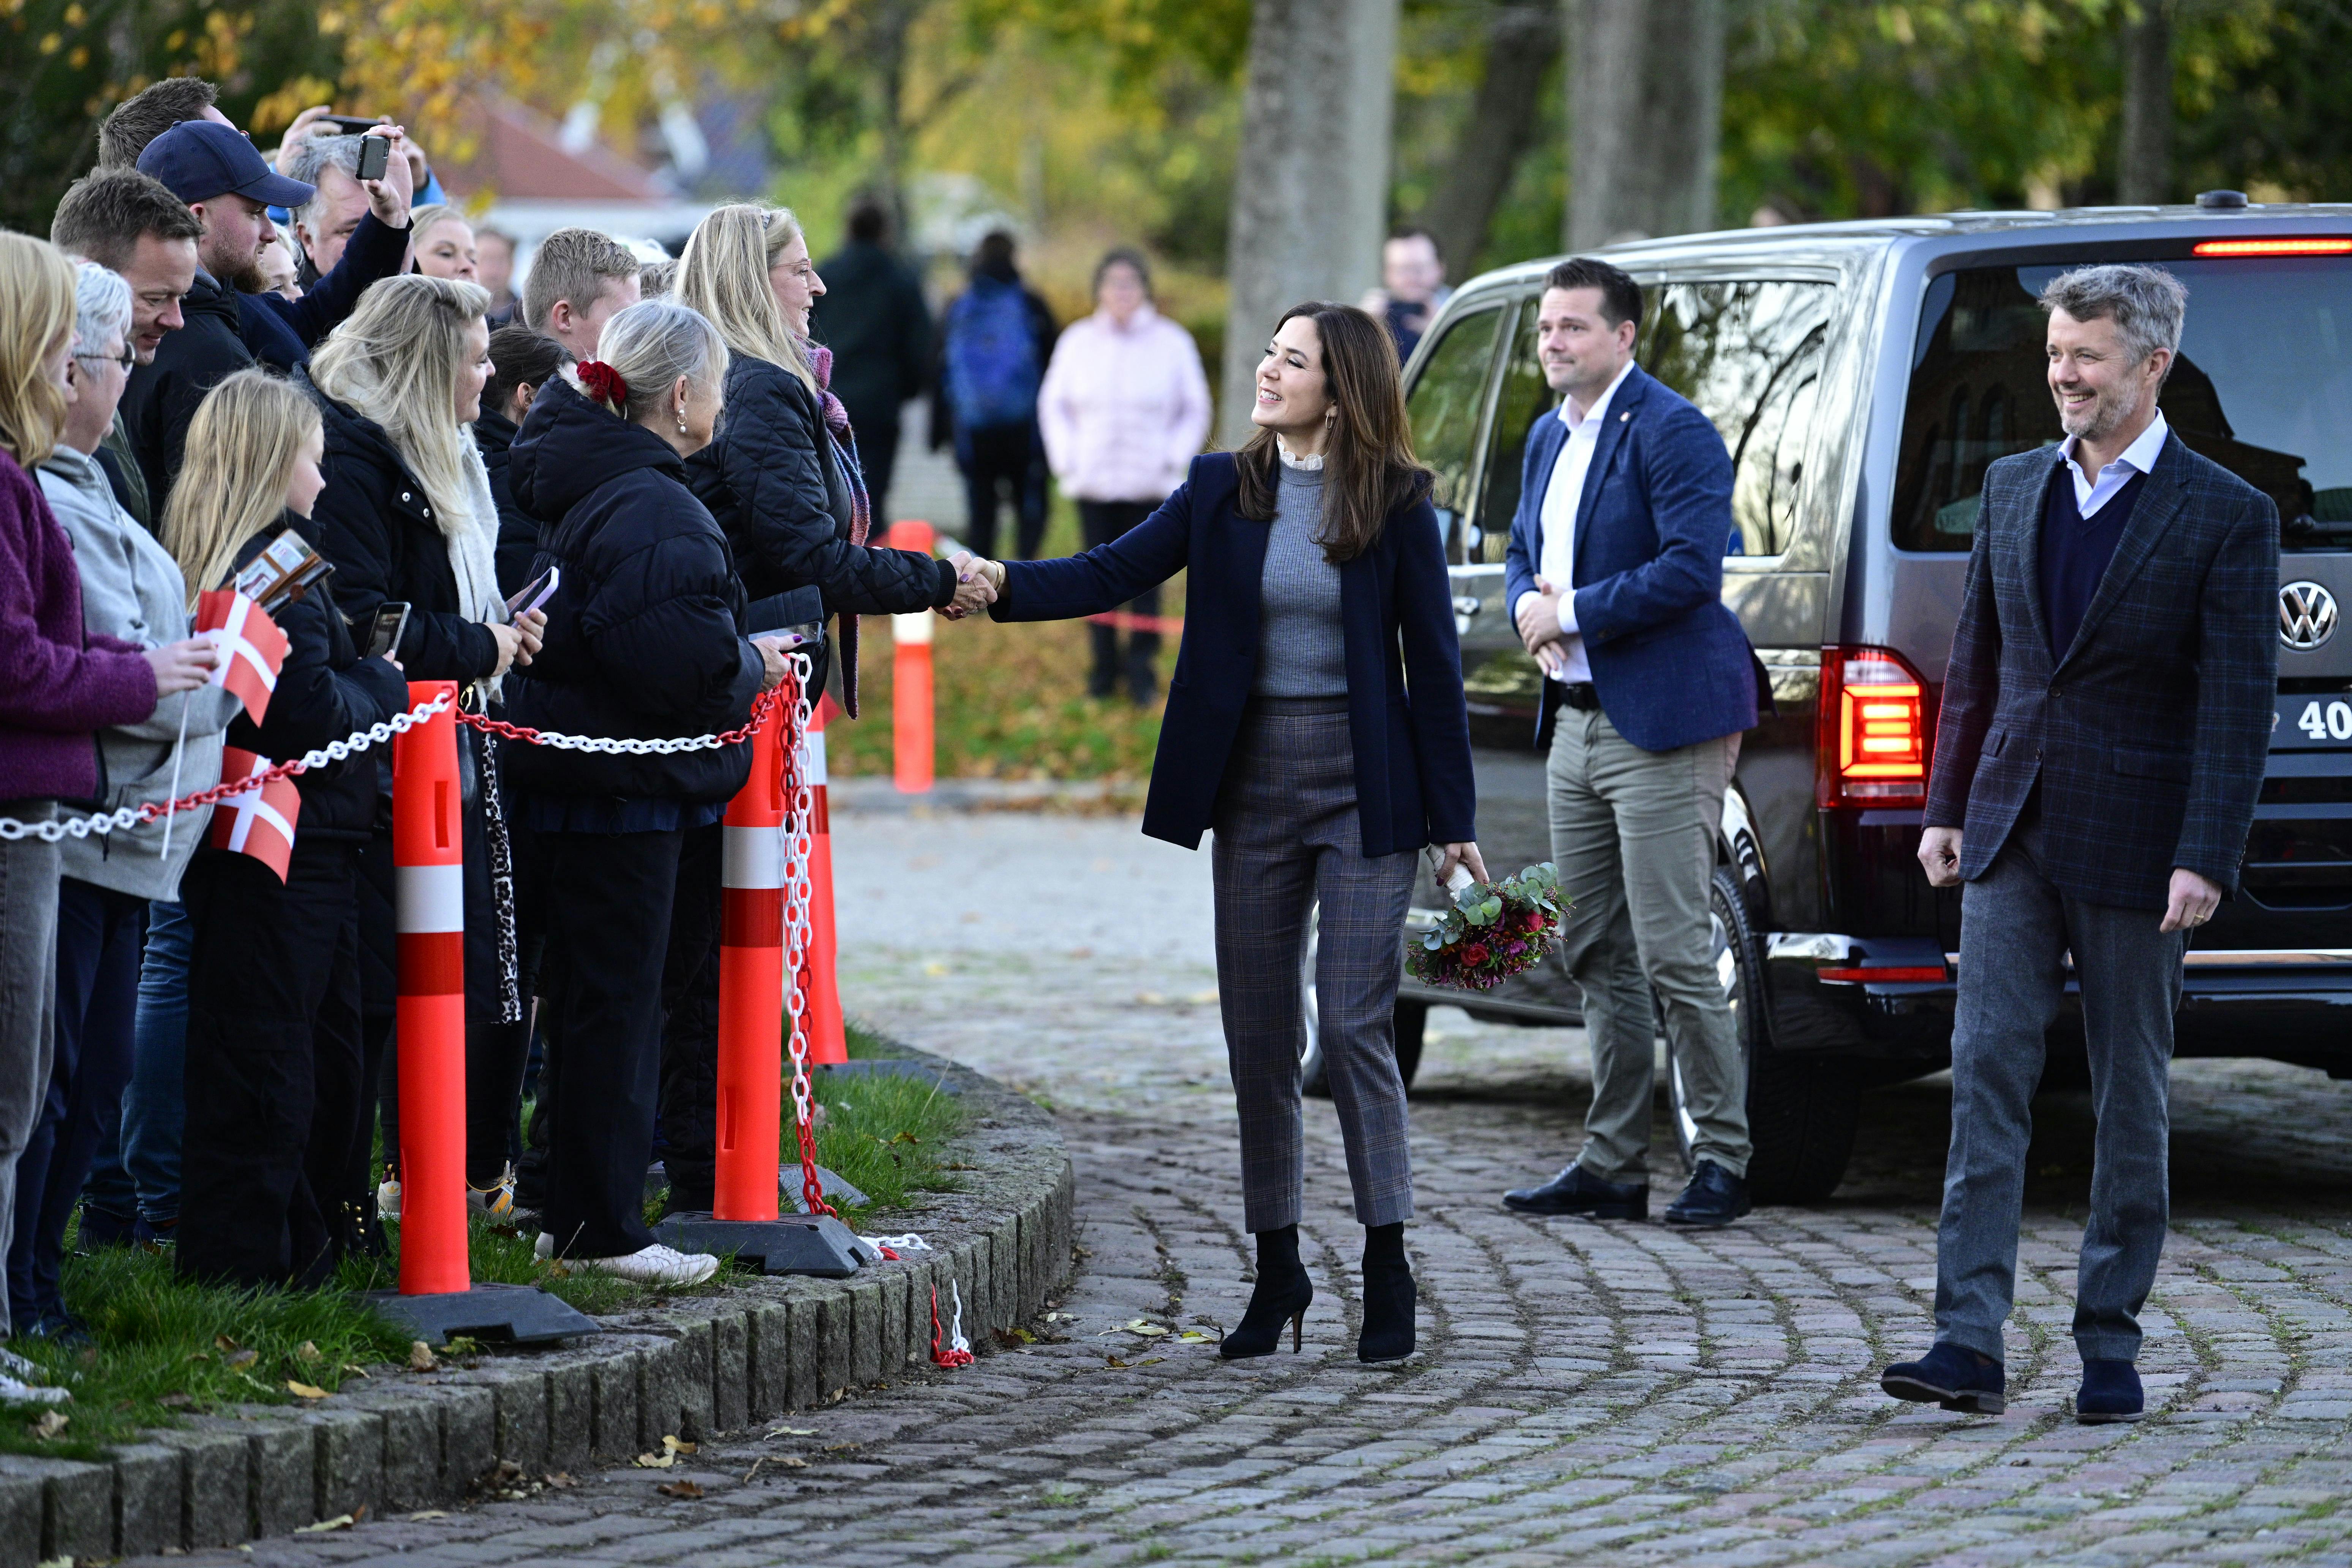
{"x": 1313, "y": 465}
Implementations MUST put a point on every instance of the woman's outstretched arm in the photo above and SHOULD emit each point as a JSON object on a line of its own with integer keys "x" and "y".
{"x": 1104, "y": 577}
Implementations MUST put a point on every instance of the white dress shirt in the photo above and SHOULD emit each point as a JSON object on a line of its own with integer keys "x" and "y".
{"x": 2139, "y": 457}
{"x": 1563, "y": 492}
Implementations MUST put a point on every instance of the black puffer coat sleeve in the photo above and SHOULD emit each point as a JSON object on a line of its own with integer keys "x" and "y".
{"x": 764, "y": 479}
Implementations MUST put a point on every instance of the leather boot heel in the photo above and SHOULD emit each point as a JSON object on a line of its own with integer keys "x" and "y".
{"x": 1282, "y": 1294}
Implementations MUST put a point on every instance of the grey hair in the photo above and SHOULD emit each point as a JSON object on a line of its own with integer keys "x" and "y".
{"x": 653, "y": 342}
{"x": 101, "y": 308}
{"x": 2146, "y": 303}
{"x": 312, "y": 155}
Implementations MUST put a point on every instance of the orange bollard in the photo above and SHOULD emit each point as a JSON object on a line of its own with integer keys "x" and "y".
{"x": 912, "y": 743}
{"x": 828, "y": 1042}
{"x": 428, "y": 855}
{"x": 751, "y": 988}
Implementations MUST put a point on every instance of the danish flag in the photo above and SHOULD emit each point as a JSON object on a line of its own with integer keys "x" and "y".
{"x": 259, "y": 821}
{"x": 251, "y": 647}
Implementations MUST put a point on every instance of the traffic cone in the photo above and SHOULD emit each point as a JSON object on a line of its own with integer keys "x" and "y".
{"x": 911, "y": 737}
{"x": 751, "y": 988}
{"x": 828, "y": 1040}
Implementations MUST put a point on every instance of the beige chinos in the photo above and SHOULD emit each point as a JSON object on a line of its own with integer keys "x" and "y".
{"x": 1633, "y": 833}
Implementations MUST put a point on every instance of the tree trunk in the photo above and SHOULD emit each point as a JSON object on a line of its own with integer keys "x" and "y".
{"x": 1311, "y": 201}
{"x": 1521, "y": 45}
{"x": 2144, "y": 160}
{"x": 1645, "y": 114}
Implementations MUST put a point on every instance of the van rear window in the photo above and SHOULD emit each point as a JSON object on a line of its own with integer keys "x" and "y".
{"x": 2263, "y": 387}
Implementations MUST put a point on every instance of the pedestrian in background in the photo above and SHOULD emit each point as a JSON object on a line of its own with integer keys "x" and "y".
{"x": 494, "y": 251}
{"x": 1320, "y": 730}
{"x": 132, "y": 592}
{"x": 873, "y": 317}
{"x": 1614, "y": 576}
{"x": 59, "y": 684}
{"x": 1412, "y": 287}
{"x": 648, "y": 642}
{"x": 521, "y": 361}
{"x": 579, "y": 280}
{"x": 1123, "y": 410}
{"x": 781, "y": 476}
{"x": 441, "y": 244}
{"x": 2102, "y": 739}
{"x": 275, "y": 1079}
{"x": 995, "y": 341}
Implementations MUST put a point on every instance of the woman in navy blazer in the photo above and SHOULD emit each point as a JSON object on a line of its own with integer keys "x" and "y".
{"x": 1316, "y": 721}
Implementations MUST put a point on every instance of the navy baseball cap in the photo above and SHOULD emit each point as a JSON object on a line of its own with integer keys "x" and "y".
{"x": 199, "y": 160}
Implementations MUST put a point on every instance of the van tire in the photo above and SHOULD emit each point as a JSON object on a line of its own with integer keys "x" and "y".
{"x": 1802, "y": 1111}
{"x": 1412, "y": 1025}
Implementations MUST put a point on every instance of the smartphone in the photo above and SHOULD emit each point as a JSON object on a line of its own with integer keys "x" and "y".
{"x": 384, "y": 632}
{"x": 536, "y": 591}
{"x": 349, "y": 124}
{"x": 808, "y": 634}
{"x": 375, "y": 156}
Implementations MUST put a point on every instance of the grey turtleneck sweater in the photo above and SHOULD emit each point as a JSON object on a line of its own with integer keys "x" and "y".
{"x": 1302, "y": 651}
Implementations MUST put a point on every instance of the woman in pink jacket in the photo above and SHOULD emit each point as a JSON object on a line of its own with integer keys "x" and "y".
{"x": 1124, "y": 409}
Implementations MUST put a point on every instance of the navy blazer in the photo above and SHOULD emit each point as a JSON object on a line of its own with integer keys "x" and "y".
{"x": 2150, "y": 735}
{"x": 1670, "y": 663}
{"x": 1405, "y": 714}
{"x": 281, "y": 333}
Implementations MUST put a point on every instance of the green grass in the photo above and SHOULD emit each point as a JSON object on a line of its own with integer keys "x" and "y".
{"x": 886, "y": 1134}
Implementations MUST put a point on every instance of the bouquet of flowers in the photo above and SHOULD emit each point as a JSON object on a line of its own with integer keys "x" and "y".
{"x": 1494, "y": 931}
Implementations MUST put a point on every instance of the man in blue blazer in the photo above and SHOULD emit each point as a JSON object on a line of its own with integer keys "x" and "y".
{"x": 1615, "y": 576}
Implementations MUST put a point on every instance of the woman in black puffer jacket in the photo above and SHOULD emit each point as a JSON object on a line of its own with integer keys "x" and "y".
{"x": 646, "y": 641}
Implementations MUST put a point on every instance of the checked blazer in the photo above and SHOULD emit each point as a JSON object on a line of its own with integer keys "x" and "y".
{"x": 2148, "y": 735}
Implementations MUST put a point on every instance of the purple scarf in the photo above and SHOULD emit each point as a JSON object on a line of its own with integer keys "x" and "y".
{"x": 861, "y": 508}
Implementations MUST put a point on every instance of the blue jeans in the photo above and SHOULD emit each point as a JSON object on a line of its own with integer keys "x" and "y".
{"x": 138, "y": 1172}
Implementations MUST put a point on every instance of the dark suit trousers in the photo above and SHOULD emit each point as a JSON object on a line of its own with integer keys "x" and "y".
{"x": 2016, "y": 928}
{"x": 1009, "y": 456}
{"x": 1103, "y": 522}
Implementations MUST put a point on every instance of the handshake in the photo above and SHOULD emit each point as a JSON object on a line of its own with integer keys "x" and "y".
{"x": 978, "y": 584}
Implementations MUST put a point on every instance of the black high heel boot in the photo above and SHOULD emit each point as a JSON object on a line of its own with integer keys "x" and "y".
{"x": 1388, "y": 1297}
{"x": 1281, "y": 1295}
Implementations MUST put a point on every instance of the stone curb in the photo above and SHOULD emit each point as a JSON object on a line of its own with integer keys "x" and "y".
{"x": 704, "y": 1366}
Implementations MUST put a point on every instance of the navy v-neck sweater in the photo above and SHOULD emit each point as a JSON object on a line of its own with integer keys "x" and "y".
{"x": 2075, "y": 551}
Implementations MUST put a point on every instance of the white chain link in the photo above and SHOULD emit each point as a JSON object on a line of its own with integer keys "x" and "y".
{"x": 799, "y": 842}
{"x": 131, "y": 815}
{"x": 624, "y": 748}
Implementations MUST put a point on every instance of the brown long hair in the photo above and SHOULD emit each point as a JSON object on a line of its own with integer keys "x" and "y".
{"x": 1369, "y": 469}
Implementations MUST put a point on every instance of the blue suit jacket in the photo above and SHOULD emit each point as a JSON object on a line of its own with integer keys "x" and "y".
{"x": 1670, "y": 663}
{"x": 1405, "y": 712}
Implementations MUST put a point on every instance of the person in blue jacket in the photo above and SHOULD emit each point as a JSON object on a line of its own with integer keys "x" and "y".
{"x": 1316, "y": 723}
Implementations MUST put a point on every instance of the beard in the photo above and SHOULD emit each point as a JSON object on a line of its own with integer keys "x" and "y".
{"x": 239, "y": 272}
{"x": 2108, "y": 412}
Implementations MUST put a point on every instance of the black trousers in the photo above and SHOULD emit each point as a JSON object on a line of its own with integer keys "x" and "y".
{"x": 689, "y": 1051}
{"x": 878, "y": 458}
{"x": 275, "y": 1065}
{"x": 999, "y": 457}
{"x": 1103, "y": 522}
{"x": 608, "y": 898}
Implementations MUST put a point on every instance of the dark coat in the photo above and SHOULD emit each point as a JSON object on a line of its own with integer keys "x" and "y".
{"x": 1670, "y": 663}
{"x": 281, "y": 333}
{"x": 161, "y": 397}
{"x": 1405, "y": 714}
{"x": 874, "y": 317}
{"x": 493, "y": 435}
{"x": 324, "y": 692}
{"x": 2148, "y": 737}
{"x": 377, "y": 524}
{"x": 645, "y": 633}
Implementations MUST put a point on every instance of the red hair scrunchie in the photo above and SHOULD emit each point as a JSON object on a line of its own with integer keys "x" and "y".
{"x": 603, "y": 383}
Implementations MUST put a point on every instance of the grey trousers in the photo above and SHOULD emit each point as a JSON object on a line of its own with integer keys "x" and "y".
{"x": 28, "y": 998}
{"x": 2016, "y": 928}
{"x": 1633, "y": 835}
{"x": 1286, "y": 837}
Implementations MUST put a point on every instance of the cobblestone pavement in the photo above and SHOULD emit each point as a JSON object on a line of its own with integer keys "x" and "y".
{"x": 1613, "y": 1394}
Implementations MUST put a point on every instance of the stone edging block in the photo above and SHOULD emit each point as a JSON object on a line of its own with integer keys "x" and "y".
{"x": 704, "y": 1365}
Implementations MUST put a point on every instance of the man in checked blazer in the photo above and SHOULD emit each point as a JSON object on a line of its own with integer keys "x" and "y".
{"x": 2104, "y": 722}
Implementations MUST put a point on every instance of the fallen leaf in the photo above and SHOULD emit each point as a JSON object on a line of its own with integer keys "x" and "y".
{"x": 789, "y": 1463}
{"x": 223, "y": 1344}
{"x": 792, "y": 1431}
{"x": 352, "y": 1367}
{"x": 655, "y": 1461}
{"x": 559, "y": 1479}
{"x": 1191, "y": 1337}
{"x": 674, "y": 1446}
{"x": 462, "y": 1344}
{"x": 421, "y": 1516}
{"x": 238, "y": 1360}
{"x": 679, "y": 1488}
{"x": 1148, "y": 1328}
{"x": 308, "y": 1351}
{"x": 1152, "y": 1361}
{"x": 341, "y": 1521}
{"x": 420, "y": 1356}
{"x": 51, "y": 1423}
{"x": 306, "y": 1390}
{"x": 1114, "y": 1361}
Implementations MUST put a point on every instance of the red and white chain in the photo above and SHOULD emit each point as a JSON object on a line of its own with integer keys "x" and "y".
{"x": 800, "y": 843}
{"x": 132, "y": 815}
{"x": 761, "y": 706}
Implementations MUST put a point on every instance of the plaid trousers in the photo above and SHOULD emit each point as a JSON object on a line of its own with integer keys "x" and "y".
{"x": 1287, "y": 841}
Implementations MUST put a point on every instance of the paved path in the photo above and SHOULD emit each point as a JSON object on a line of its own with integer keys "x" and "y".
{"x": 1595, "y": 1393}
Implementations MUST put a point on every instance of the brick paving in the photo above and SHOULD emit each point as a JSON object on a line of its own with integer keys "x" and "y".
{"x": 1613, "y": 1394}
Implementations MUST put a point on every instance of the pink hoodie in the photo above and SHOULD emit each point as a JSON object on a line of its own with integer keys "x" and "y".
{"x": 1124, "y": 410}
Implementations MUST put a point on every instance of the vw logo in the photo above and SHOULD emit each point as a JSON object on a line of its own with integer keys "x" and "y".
{"x": 2306, "y": 616}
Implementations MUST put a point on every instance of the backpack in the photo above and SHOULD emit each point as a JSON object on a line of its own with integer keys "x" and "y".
{"x": 993, "y": 369}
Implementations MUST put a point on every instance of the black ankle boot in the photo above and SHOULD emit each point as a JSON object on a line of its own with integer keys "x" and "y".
{"x": 1388, "y": 1296}
{"x": 1280, "y": 1296}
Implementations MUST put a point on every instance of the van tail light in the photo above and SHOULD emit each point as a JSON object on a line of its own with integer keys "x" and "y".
{"x": 1871, "y": 747}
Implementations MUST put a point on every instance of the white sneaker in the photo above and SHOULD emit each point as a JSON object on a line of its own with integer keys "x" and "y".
{"x": 657, "y": 1265}
{"x": 387, "y": 1198}
{"x": 544, "y": 1247}
{"x": 14, "y": 1391}
{"x": 496, "y": 1201}
{"x": 21, "y": 1368}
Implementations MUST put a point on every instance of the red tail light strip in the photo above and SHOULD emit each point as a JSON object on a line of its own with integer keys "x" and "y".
{"x": 2273, "y": 247}
{"x": 1921, "y": 975}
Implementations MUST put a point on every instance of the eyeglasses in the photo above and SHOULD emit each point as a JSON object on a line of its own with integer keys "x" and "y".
{"x": 128, "y": 359}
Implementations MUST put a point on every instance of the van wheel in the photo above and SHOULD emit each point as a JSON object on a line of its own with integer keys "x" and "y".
{"x": 1412, "y": 1025}
{"x": 1801, "y": 1113}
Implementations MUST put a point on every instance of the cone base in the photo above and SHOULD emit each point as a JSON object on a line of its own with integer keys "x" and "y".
{"x": 505, "y": 1314}
{"x": 794, "y": 1244}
